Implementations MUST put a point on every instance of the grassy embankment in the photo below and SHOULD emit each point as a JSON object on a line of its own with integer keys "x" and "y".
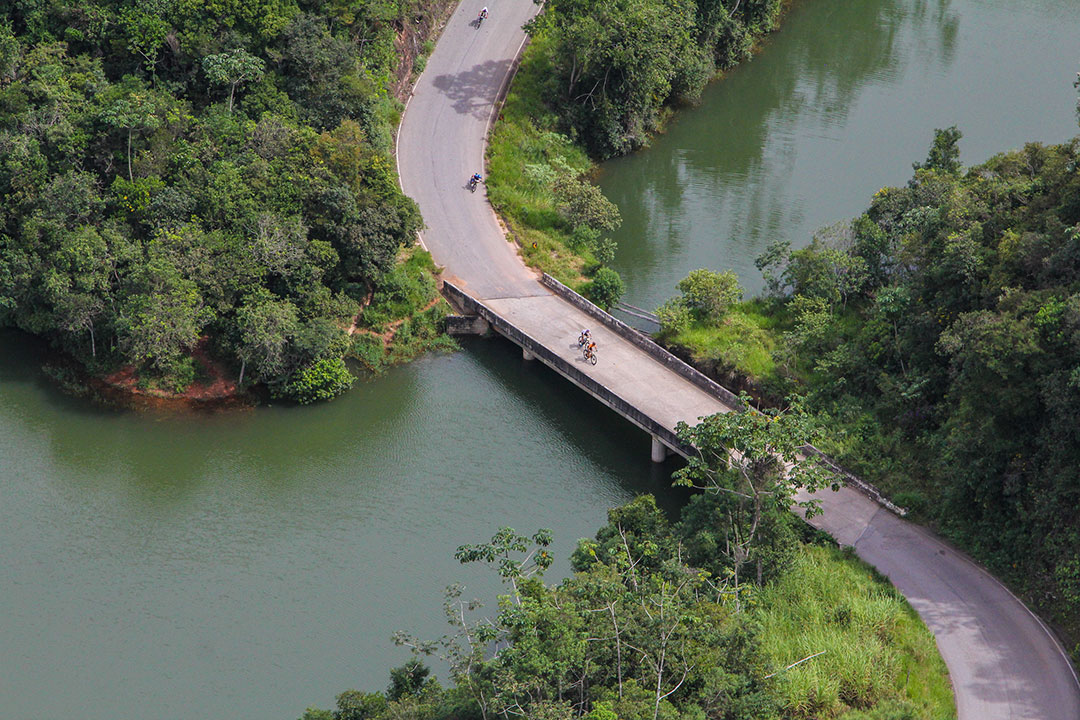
{"x": 752, "y": 347}
{"x": 524, "y": 143}
{"x": 879, "y": 662}
{"x": 528, "y": 149}
{"x": 404, "y": 318}
{"x": 743, "y": 343}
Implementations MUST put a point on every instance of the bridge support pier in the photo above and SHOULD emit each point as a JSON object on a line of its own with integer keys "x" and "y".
{"x": 659, "y": 450}
{"x": 527, "y": 355}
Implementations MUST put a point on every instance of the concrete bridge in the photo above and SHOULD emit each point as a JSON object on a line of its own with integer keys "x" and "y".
{"x": 635, "y": 377}
{"x": 1004, "y": 663}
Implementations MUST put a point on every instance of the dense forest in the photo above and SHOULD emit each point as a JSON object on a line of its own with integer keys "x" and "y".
{"x": 737, "y": 611}
{"x": 938, "y": 337}
{"x": 618, "y": 63}
{"x": 180, "y": 176}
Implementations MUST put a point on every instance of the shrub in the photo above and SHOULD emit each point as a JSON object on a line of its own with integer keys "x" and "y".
{"x": 709, "y": 294}
{"x": 674, "y": 316}
{"x": 583, "y": 203}
{"x": 606, "y": 288}
{"x": 912, "y": 500}
{"x": 323, "y": 380}
{"x": 355, "y": 705}
{"x": 604, "y": 250}
{"x": 370, "y": 350}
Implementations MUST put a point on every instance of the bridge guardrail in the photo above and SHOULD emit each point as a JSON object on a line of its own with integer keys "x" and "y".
{"x": 561, "y": 365}
{"x": 708, "y": 385}
{"x": 644, "y": 342}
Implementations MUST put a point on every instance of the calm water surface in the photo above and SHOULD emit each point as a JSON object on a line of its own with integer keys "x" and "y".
{"x": 839, "y": 104}
{"x": 247, "y": 564}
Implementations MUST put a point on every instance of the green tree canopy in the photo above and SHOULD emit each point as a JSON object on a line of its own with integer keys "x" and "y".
{"x": 143, "y": 215}
{"x": 233, "y": 68}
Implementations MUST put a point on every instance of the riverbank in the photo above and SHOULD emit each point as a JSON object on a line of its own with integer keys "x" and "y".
{"x": 212, "y": 247}
{"x": 403, "y": 319}
{"x": 536, "y": 166}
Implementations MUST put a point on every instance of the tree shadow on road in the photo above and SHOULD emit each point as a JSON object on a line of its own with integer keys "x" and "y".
{"x": 474, "y": 91}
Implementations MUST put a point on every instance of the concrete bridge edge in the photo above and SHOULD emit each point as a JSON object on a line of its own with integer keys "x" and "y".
{"x": 534, "y": 350}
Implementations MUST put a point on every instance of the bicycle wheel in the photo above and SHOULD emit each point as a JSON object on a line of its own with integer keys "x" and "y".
{"x": 592, "y": 358}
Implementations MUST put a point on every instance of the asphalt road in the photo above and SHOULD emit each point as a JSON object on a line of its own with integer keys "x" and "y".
{"x": 441, "y": 144}
{"x": 1004, "y": 664}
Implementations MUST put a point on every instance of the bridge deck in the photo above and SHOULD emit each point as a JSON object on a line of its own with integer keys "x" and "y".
{"x": 633, "y": 376}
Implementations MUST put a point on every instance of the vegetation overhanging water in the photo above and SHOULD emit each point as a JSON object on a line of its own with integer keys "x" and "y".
{"x": 181, "y": 550}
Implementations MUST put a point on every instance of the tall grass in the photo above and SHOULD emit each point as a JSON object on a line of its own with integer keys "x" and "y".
{"x": 409, "y": 287}
{"x": 879, "y": 662}
{"x": 524, "y": 143}
{"x": 737, "y": 341}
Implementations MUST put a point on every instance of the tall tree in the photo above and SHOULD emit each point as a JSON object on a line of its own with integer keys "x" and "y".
{"x": 756, "y": 460}
{"x": 162, "y": 319}
{"x": 266, "y": 327}
{"x": 137, "y": 109}
{"x": 233, "y": 68}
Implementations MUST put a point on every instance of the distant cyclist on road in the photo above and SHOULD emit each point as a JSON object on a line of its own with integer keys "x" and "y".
{"x": 481, "y": 17}
{"x": 474, "y": 180}
{"x": 584, "y": 338}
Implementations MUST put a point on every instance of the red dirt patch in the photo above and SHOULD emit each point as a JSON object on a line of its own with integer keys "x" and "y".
{"x": 426, "y": 24}
{"x": 216, "y": 389}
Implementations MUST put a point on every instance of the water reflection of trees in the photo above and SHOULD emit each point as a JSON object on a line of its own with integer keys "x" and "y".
{"x": 737, "y": 153}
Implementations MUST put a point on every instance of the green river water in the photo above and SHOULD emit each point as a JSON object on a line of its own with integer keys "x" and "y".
{"x": 247, "y": 564}
{"x": 841, "y": 101}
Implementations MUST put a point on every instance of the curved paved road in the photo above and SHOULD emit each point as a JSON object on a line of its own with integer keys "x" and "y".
{"x": 441, "y": 143}
{"x": 1004, "y": 664}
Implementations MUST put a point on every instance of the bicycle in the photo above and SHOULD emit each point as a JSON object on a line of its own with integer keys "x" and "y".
{"x": 590, "y": 355}
{"x": 480, "y": 18}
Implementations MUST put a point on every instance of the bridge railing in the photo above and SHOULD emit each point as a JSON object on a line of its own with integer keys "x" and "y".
{"x": 565, "y": 368}
{"x": 644, "y": 342}
{"x": 708, "y": 385}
